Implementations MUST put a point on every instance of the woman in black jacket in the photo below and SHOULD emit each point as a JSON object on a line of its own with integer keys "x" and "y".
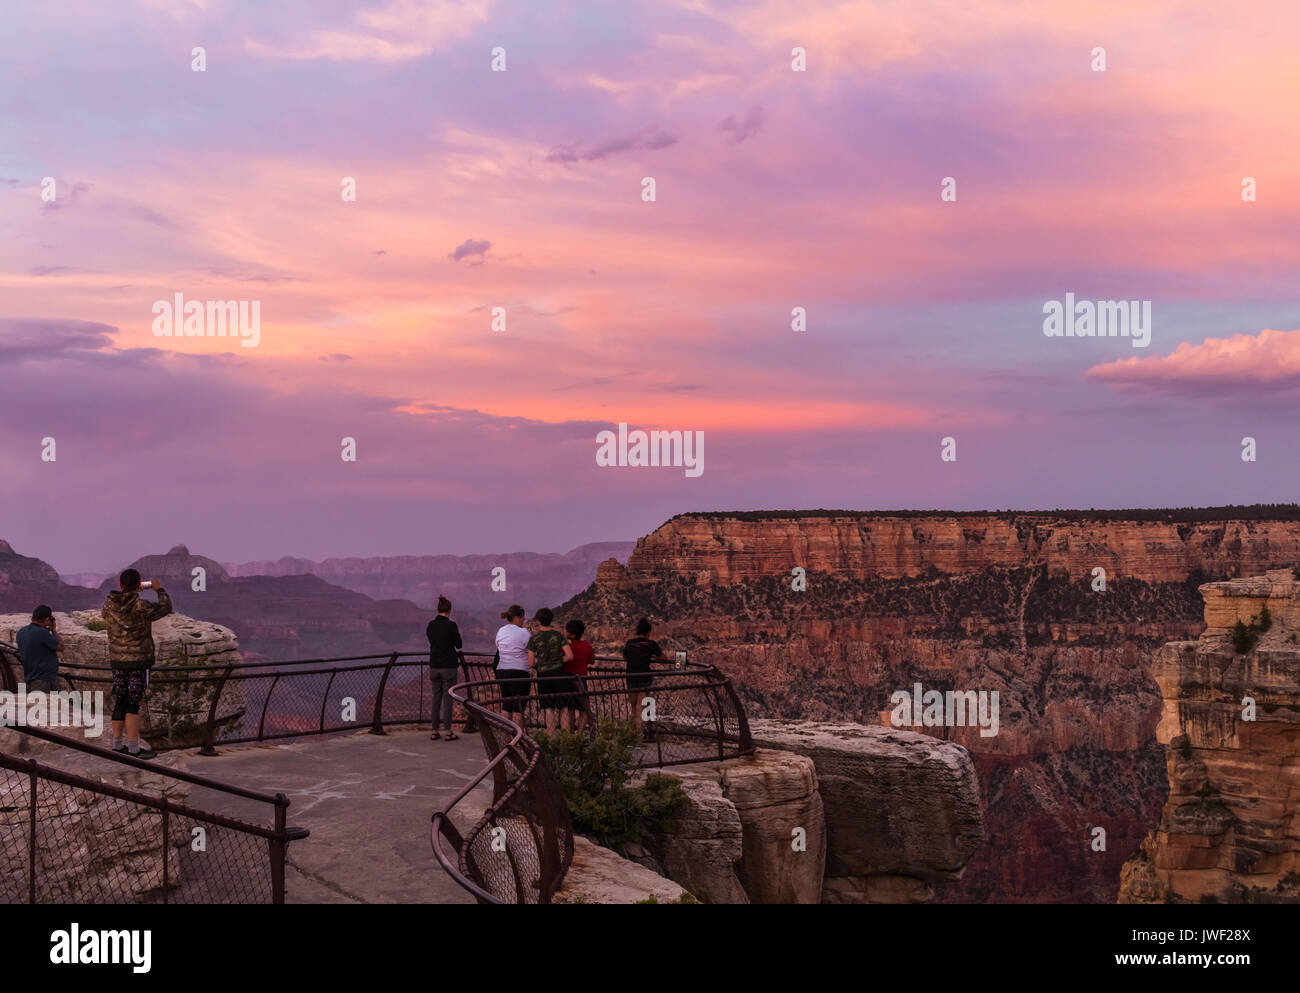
{"x": 444, "y": 657}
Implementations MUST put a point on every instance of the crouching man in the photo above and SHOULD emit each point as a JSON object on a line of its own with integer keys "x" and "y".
{"x": 131, "y": 655}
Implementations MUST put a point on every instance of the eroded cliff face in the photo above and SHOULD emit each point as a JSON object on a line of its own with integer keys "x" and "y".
{"x": 716, "y": 549}
{"x": 1230, "y": 831}
{"x": 986, "y": 603}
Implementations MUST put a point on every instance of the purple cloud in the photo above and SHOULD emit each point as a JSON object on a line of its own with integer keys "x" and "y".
{"x": 648, "y": 138}
{"x": 746, "y": 127}
{"x": 469, "y": 247}
{"x": 24, "y": 338}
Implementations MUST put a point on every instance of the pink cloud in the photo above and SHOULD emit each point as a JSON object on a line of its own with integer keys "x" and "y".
{"x": 1269, "y": 360}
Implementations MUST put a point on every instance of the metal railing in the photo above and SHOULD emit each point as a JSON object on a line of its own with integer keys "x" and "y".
{"x": 520, "y": 848}
{"x": 207, "y": 705}
{"x": 69, "y": 838}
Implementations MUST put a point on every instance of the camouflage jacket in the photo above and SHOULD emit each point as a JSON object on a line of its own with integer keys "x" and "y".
{"x": 130, "y": 623}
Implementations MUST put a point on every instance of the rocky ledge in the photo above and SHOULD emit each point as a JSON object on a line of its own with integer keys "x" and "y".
{"x": 829, "y": 813}
{"x": 1230, "y": 831}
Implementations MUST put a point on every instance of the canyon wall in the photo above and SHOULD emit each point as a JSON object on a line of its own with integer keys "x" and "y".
{"x": 989, "y": 602}
{"x": 1230, "y": 830}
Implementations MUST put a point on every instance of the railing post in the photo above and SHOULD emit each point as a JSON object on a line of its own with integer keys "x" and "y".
{"x": 377, "y": 725}
{"x": 325, "y": 700}
{"x": 261, "y": 724}
{"x": 31, "y": 843}
{"x": 210, "y": 732}
{"x": 166, "y": 876}
{"x": 7, "y": 679}
{"x": 278, "y": 849}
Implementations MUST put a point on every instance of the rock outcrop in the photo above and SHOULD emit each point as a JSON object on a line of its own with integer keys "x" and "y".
{"x": 753, "y": 833}
{"x": 705, "y": 847}
{"x": 902, "y": 809}
{"x": 831, "y": 813}
{"x": 994, "y": 602}
{"x": 1230, "y": 830}
{"x": 174, "y": 713}
{"x": 599, "y": 875}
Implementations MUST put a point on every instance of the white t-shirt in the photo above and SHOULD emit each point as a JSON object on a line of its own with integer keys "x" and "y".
{"x": 512, "y": 643}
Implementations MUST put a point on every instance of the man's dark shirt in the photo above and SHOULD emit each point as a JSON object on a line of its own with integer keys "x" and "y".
{"x": 444, "y": 643}
{"x": 38, "y": 649}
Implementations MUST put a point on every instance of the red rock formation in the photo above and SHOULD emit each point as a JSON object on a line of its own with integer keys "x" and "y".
{"x": 1230, "y": 831}
{"x": 991, "y": 602}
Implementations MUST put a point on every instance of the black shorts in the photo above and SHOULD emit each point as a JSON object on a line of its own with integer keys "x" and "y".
{"x": 559, "y": 692}
{"x": 639, "y": 680}
{"x": 515, "y": 686}
{"x": 128, "y": 691}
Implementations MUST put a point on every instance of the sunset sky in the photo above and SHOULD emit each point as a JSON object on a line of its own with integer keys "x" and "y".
{"x": 522, "y": 189}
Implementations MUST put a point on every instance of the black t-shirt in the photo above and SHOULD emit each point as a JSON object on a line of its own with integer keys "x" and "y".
{"x": 638, "y": 652}
{"x": 444, "y": 642}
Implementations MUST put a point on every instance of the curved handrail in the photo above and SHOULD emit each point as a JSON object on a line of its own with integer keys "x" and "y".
{"x": 713, "y": 726}
{"x": 455, "y": 851}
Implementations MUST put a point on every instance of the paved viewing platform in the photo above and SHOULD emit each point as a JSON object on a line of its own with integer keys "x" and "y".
{"x": 367, "y": 800}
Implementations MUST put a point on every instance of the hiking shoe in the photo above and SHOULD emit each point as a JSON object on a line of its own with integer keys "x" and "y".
{"x": 145, "y": 752}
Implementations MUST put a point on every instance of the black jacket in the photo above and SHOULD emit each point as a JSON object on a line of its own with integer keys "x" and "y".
{"x": 444, "y": 643}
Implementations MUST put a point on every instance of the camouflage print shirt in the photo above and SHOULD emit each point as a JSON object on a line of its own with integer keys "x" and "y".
{"x": 130, "y": 622}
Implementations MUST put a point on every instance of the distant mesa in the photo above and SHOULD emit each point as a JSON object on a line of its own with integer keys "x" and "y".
{"x": 176, "y": 565}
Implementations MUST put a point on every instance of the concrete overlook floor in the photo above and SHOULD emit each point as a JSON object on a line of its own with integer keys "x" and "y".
{"x": 366, "y": 799}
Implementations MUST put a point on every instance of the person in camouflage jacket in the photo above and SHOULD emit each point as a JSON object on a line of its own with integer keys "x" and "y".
{"x": 131, "y": 656}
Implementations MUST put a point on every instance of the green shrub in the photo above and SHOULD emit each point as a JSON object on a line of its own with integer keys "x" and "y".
{"x": 97, "y": 624}
{"x": 593, "y": 772}
{"x": 1265, "y": 619}
{"x": 1242, "y": 638}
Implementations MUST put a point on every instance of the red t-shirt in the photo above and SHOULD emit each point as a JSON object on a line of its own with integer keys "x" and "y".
{"x": 583, "y": 656}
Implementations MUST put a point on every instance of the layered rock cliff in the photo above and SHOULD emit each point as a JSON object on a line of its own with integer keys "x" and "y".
{"x": 1230, "y": 830}
{"x": 1005, "y": 603}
